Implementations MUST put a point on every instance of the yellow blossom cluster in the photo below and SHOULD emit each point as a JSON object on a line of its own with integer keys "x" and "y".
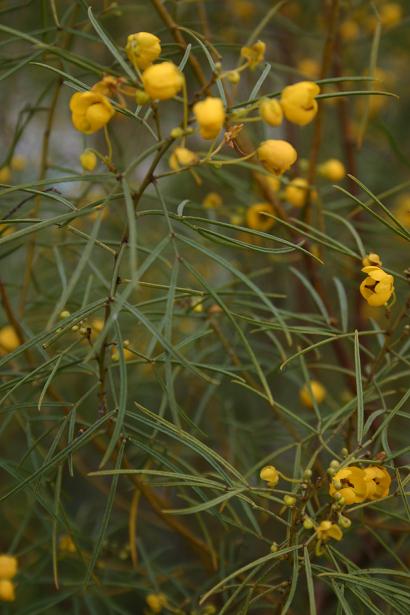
{"x": 355, "y": 485}
{"x": 8, "y": 570}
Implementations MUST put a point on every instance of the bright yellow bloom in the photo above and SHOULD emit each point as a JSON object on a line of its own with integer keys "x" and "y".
{"x": 378, "y": 482}
{"x": 271, "y": 111}
{"x": 256, "y": 219}
{"x": 353, "y": 485}
{"x": 327, "y": 530}
{"x": 277, "y": 156}
{"x": 91, "y": 111}
{"x": 88, "y": 160}
{"x": 7, "y": 591}
{"x": 210, "y": 115}
{"x": 5, "y": 175}
{"x": 297, "y": 190}
{"x": 333, "y": 170}
{"x": 299, "y": 102}
{"x": 212, "y": 200}
{"x": 156, "y": 602}
{"x": 309, "y": 67}
{"x": 377, "y": 287}
{"x": 270, "y": 475}
{"x": 162, "y": 81}
{"x": 107, "y": 86}
{"x": 66, "y": 544}
{"x": 18, "y": 162}
{"x": 316, "y": 389}
{"x": 372, "y": 259}
{"x": 9, "y": 340}
{"x": 142, "y": 49}
{"x": 8, "y": 566}
{"x": 255, "y": 54}
{"x": 182, "y": 157}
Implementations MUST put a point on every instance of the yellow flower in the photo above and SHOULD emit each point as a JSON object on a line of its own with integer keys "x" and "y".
{"x": 88, "y": 160}
{"x": 309, "y": 67}
{"x": 97, "y": 325}
{"x": 377, "y": 287}
{"x": 7, "y": 592}
{"x": 8, "y": 566}
{"x": 9, "y": 340}
{"x": 162, "y": 81}
{"x": 333, "y": 170}
{"x": 5, "y": 175}
{"x": 18, "y": 162}
{"x": 255, "y": 54}
{"x": 256, "y": 219}
{"x": 156, "y": 602}
{"x": 212, "y": 200}
{"x": 299, "y": 102}
{"x": 353, "y": 485}
{"x": 402, "y": 209}
{"x": 277, "y": 156}
{"x": 372, "y": 259}
{"x": 271, "y": 111}
{"x": 210, "y": 115}
{"x": 270, "y": 475}
{"x": 316, "y": 389}
{"x": 142, "y": 49}
{"x": 107, "y": 86}
{"x": 182, "y": 157}
{"x": 378, "y": 482}
{"x": 391, "y": 14}
{"x": 349, "y": 30}
{"x": 327, "y": 530}
{"x": 91, "y": 111}
{"x": 66, "y": 544}
{"x": 296, "y": 192}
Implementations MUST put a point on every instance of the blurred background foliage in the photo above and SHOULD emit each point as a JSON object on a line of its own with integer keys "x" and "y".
{"x": 206, "y": 389}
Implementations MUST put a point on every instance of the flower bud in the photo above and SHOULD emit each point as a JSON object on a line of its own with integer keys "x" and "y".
{"x": 233, "y": 76}
{"x": 334, "y": 463}
{"x": 308, "y": 523}
{"x": 141, "y": 97}
{"x": 162, "y": 81}
{"x": 88, "y": 160}
{"x": 271, "y": 111}
{"x": 142, "y": 49}
{"x": 210, "y": 115}
{"x": 344, "y": 522}
{"x": 65, "y": 314}
{"x": 277, "y": 156}
{"x": 274, "y": 547}
{"x": 289, "y": 500}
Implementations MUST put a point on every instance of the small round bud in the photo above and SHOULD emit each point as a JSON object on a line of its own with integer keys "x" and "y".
{"x": 344, "y": 452}
{"x": 75, "y": 328}
{"x": 177, "y": 133}
{"x": 334, "y": 463}
{"x": 307, "y": 474}
{"x": 83, "y": 330}
{"x": 65, "y": 314}
{"x": 337, "y": 484}
{"x": 233, "y": 76}
{"x": 289, "y": 500}
{"x": 331, "y": 471}
{"x": 141, "y": 97}
{"x": 274, "y": 547}
{"x": 344, "y": 522}
{"x": 308, "y": 523}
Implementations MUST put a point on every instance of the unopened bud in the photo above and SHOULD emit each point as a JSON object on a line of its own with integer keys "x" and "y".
{"x": 289, "y": 500}
{"x": 233, "y": 76}
{"x": 141, "y": 97}
{"x": 334, "y": 463}
{"x": 307, "y": 474}
{"x": 274, "y": 547}
{"x": 65, "y": 314}
{"x": 344, "y": 522}
{"x": 308, "y": 523}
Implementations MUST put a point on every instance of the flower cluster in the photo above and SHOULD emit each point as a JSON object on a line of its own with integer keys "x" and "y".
{"x": 355, "y": 485}
{"x": 8, "y": 570}
{"x": 378, "y": 286}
